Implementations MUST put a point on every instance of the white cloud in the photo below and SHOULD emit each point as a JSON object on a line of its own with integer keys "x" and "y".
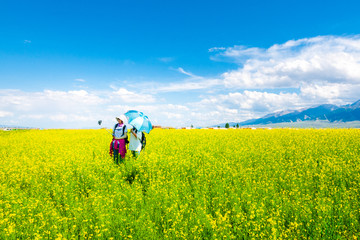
{"x": 6, "y": 114}
{"x": 193, "y": 82}
{"x": 215, "y": 49}
{"x": 79, "y": 80}
{"x": 172, "y": 115}
{"x": 296, "y": 65}
{"x": 187, "y": 73}
{"x": 335, "y": 93}
{"x": 34, "y": 116}
{"x": 240, "y": 106}
{"x": 71, "y": 118}
{"x": 325, "y": 59}
{"x": 72, "y": 109}
{"x": 187, "y": 86}
{"x": 122, "y": 95}
{"x": 166, "y": 59}
{"x": 238, "y": 52}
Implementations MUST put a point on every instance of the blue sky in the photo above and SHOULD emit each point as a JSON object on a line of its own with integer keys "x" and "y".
{"x": 67, "y": 64}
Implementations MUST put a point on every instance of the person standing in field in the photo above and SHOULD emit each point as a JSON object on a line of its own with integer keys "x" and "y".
{"x": 135, "y": 142}
{"x": 118, "y": 143}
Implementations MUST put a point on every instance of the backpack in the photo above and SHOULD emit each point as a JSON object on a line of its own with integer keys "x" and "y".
{"x": 126, "y": 139}
{"x": 143, "y": 141}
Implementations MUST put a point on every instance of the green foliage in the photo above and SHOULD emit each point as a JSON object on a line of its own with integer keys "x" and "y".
{"x": 188, "y": 184}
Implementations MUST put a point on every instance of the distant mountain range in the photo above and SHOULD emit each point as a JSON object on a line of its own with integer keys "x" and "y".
{"x": 326, "y": 112}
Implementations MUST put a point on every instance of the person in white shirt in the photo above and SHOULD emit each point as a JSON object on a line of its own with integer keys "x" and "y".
{"x": 135, "y": 142}
{"x": 118, "y": 144}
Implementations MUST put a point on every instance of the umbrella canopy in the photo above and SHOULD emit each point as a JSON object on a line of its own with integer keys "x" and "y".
{"x": 139, "y": 120}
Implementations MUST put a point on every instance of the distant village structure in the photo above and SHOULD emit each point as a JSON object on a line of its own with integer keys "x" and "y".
{"x": 11, "y": 128}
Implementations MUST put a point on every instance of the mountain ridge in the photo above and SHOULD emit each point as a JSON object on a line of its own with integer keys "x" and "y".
{"x": 324, "y": 112}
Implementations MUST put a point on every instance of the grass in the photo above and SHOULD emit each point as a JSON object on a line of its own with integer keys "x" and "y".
{"x": 187, "y": 184}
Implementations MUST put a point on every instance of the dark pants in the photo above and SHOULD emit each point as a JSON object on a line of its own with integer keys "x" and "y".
{"x": 135, "y": 154}
{"x": 117, "y": 157}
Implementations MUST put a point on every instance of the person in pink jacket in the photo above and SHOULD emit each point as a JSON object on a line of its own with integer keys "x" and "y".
{"x": 118, "y": 143}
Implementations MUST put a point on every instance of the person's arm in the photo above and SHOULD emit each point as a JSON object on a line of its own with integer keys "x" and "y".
{"x": 132, "y": 131}
{"x": 113, "y": 132}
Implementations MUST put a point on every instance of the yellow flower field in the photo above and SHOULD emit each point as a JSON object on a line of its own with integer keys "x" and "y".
{"x": 187, "y": 184}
